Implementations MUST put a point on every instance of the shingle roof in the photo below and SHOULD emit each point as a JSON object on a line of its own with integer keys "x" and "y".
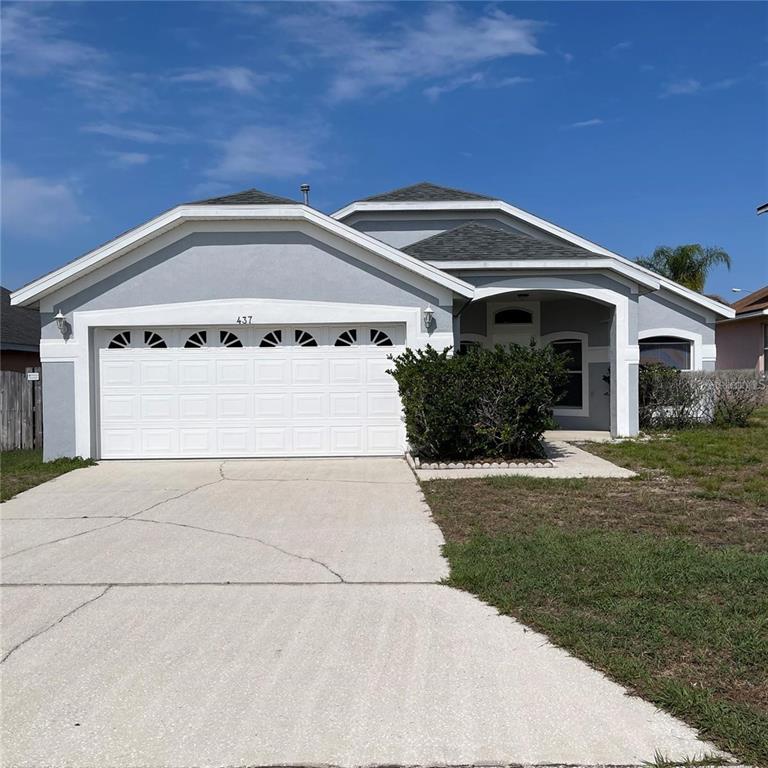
{"x": 424, "y": 192}
{"x": 246, "y": 197}
{"x": 479, "y": 242}
{"x": 754, "y": 301}
{"x": 19, "y": 326}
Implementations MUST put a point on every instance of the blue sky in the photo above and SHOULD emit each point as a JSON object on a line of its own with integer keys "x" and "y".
{"x": 633, "y": 124}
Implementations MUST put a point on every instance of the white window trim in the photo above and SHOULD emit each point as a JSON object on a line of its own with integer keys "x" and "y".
{"x": 503, "y": 333}
{"x": 584, "y": 339}
{"x": 699, "y": 351}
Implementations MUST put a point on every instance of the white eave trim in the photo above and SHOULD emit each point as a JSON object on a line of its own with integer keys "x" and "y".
{"x": 183, "y": 213}
{"x": 557, "y": 264}
{"x": 542, "y": 224}
{"x": 746, "y": 315}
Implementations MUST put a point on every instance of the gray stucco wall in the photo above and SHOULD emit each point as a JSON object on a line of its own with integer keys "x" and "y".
{"x": 229, "y": 265}
{"x": 657, "y": 311}
{"x": 58, "y": 410}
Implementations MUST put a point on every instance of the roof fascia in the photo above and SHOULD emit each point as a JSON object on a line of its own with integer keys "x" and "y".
{"x": 542, "y": 224}
{"x": 164, "y": 222}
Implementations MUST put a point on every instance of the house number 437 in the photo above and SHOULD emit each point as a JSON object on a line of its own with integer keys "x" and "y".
{"x": 245, "y": 319}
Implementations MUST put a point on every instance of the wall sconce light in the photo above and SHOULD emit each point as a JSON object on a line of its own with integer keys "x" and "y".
{"x": 429, "y": 313}
{"x": 61, "y": 322}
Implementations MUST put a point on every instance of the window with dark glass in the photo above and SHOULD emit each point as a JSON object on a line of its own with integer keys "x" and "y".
{"x": 513, "y": 317}
{"x": 668, "y": 350}
{"x": 571, "y": 349}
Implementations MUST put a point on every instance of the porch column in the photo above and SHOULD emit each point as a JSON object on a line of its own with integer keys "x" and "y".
{"x": 624, "y": 368}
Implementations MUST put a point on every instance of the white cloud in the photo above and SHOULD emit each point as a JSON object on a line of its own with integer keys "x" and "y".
{"x": 34, "y": 44}
{"x": 255, "y": 151}
{"x": 690, "y": 86}
{"x": 138, "y": 133}
{"x": 445, "y": 42}
{"x": 624, "y": 45}
{"x": 587, "y": 123}
{"x": 128, "y": 159}
{"x": 237, "y": 79}
{"x": 477, "y": 80}
{"x": 681, "y": 87}
{"x": 34, "y": 206}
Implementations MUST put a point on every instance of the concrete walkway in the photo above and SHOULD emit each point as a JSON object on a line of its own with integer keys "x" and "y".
{"x": 244, "y": 613}
{"x": 569, "y": 461}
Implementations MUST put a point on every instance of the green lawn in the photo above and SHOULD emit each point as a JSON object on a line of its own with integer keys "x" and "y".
{"x": 661, "y": 581}
{"x": 20, "y": 470}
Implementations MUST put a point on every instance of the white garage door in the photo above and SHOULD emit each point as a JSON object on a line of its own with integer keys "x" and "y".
{"x": 249, "y": 391}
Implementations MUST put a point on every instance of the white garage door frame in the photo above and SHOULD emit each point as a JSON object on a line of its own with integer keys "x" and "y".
{"x": 249, "y": 391}
{"x": 80, "y": 348}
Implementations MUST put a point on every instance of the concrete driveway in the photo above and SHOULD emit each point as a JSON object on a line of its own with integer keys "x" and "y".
{"x": 245, "y": 613}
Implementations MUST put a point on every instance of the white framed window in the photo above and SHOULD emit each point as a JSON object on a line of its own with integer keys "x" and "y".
{"x": 671, "y": 351}
{"x": 575, "y": 399}
{"x": 513, "y": 322}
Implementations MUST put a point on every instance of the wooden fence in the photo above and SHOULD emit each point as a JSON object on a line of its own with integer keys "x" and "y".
{"x": 21, "y": 409}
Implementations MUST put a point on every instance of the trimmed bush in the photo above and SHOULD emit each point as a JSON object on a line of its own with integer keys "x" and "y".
{"x": 673, "y": 399}
{"x": 487, "y": 403}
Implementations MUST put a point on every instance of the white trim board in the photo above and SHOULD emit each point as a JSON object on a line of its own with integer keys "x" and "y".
{"x": 541, "y": 224}
{"x": 171, "y": 219}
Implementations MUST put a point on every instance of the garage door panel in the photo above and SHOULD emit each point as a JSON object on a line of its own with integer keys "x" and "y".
{"x": 309, "y": 372}
{"x": 120, "y": 373}
{"x": 158, "y": 407}
{"x": 345, "y": 372}
{"x": 272, "y": 405}
{"x": 376, "y": 371}
{"x": 196, "y": 407}
{"x": 196, "y": 442}
{"x": 158, "y": 442}
{"x": 234, "y": 441}
{"x": 120, "y": 442}
{"x": 233, "y": 406}
{"x": 346, "y": 439}
{"x": 232, "y": 372}
{"x": 120, "y": 407}
{"x": 273, "y": 441}
{"x": 310, "y": 439}
{"x": 346, "y": 405}
{"x": 157, "y": 373}
{"x": 306, "y": 405}
{"x": 195, "y": 372}
{"x": 272, "y": 373}
{"x": 280, "y": 400}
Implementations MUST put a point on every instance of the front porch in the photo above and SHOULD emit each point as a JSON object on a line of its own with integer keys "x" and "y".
{"x": 602, "y": 391}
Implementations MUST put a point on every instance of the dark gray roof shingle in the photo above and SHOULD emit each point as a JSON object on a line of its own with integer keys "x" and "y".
{"x": 479, "y": 242}
{"x": 19, "y": 326}
{"x": 424, "y": 192}
{"x": 246, "y": 197}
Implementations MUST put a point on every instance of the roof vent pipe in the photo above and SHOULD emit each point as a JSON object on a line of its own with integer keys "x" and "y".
{"x": 305, "y": 193}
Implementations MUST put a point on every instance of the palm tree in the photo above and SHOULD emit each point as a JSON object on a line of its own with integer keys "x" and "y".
{"x": 688, "y": 265}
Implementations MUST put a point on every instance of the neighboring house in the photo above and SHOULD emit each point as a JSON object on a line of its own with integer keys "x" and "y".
{"x": 742, "y": 341}
{"x": 19, "y": 335}
{"x": 253, "y": 325}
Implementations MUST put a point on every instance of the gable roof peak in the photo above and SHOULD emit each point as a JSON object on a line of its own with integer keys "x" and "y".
{"x": 424, "y": 191}
{"x": 246, "y": 197}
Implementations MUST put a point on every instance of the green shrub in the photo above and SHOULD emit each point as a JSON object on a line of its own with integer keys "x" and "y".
{"x": 673, "y": 399}
{"x": 485, "y": 403}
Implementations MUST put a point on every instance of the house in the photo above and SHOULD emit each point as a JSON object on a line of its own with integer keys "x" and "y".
{"x": 742, "y": 341}
{"x": 19, "y": 335}
{"x": 254, "y": 325}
